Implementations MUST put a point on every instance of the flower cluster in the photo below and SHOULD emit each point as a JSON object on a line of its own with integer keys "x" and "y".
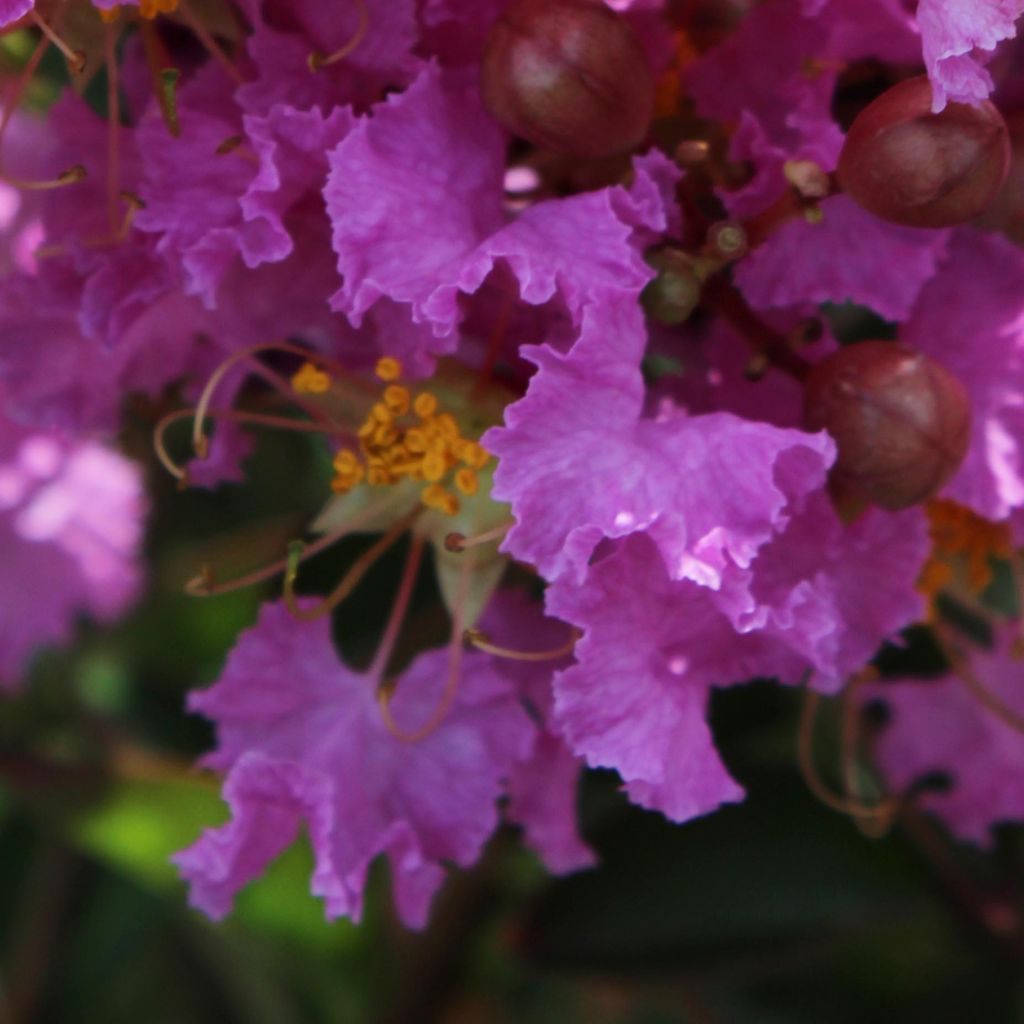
{"x": 688, "y": 365}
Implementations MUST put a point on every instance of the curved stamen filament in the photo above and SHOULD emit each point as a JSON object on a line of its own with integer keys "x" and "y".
{"x": 113, "y": 129}
{"x": 882, "y": 813}
{"x": 210, "y": 44}
{"x": 255, "y": 418}
{"x": 132, "y": 206}
{"x": 349, "y": 581}
{"x": 457, "y": 542}
{"x": 451, "y": 683}
{"x": 204, "y": 584}
{"x": 481, "y": 642}
{"x": 199, "y": 442}
{"x": 75, "y": 58}
{"x": 70, "y": 176}
{"x": 988, "y": 699}
{"x": 849, "y": 737}
{"x": 319, "y": 60}
{"x": 398, "y": 609}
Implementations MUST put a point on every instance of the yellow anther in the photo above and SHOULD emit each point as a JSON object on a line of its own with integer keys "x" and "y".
{"x": 446, "y": 426}
{"x": 382, "y": 414}
{"x": 435, "y": 496}
{"x": 425, "y": 405}
{"x": 346, "y": 479}
{"x": 309, "y": 380}
{"x": 346, "y": 461}
{"x": 397, "y": 399}
{"x": 467, "y": 482}
{"x": 431, "y": 496}
{"x": 149, "y": 9}
{"x": 416, "y": 441}
{"x": 434, "y": 467}
{"x": 961, "y": 537}
{"x": 437, "y": 446}
{"x": 385, "y": 435}
{"x": 388, "y": 368}
{"x": 377, "y": 476}
{"x": 476, "y": 455}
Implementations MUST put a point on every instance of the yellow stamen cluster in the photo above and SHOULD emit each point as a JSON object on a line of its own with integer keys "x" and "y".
{"x": 310, "y": 380}
{"x": 410, "y": 438}
{"x": 149, "y": 9}
{"x": 960, "y": 537}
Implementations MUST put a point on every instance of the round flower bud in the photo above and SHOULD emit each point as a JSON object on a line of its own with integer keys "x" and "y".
{"x": 1006, "y": 212}
{"x": 673, "y": 295}
{"x": 909, "y": 166}
{"x": 568, "y": 75}
{"x": 900, "y": 420}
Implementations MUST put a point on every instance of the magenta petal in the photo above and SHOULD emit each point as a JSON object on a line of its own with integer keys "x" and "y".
{"x": 940, "y": 726}
{"x": 411, "y": 192}
{"x": 314, "y": 731}
{"x": 578, "y": 435}
{"x": 12, "y": 10}
{"x": 969, "y": 319}
{"x": 636, "y": 700}
{"x": 951, "y": 32}
{"x": 70, "y": 532}
{"x": 848, "y": 257}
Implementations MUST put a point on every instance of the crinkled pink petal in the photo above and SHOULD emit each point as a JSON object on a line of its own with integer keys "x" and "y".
{"x": 542, "y": 788}
{"x": 880, "y": 29}
{"x": 850, "y": 255}
{"x": 286, "y": 32}
{"x": 578, "y": 464}
{"x": 542, "y": 798}
{"x": 412, "y": 191}
{"x": 951, "y": 33}
{"x": 303, "y": 740}
{"x": 970, "y": 317}
{"x": 12, "y": 10}
{"x": 420, "y": 229}
{"x": 941, "y": 726}
{"x": 761, "y": 70}
{"x": 819, "y": 589}
{"x": 636, "y": 699}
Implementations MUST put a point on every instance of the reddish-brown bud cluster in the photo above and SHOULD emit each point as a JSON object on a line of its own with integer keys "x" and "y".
{"x": 568, "y": 75}
{"x": 900, "y": 420}
{"x": 910, "y": 166}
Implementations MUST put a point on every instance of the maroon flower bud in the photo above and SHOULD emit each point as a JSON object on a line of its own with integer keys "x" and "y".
{"x": 568, "y": 75}
{"x": 1006, "y": 212}
{"x": 900, "y": 420}
{"x": 910, "y": 166}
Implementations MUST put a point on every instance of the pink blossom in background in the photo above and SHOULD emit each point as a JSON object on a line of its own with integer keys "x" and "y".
{"x": 71, "y": 519}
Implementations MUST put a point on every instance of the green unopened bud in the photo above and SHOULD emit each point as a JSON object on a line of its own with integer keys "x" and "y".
{"x": 673, "y": 295}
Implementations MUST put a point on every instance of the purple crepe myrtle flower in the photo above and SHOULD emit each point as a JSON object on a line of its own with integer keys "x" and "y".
{"x": 470, "y": 325}
{"x": 302, "y": 740}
